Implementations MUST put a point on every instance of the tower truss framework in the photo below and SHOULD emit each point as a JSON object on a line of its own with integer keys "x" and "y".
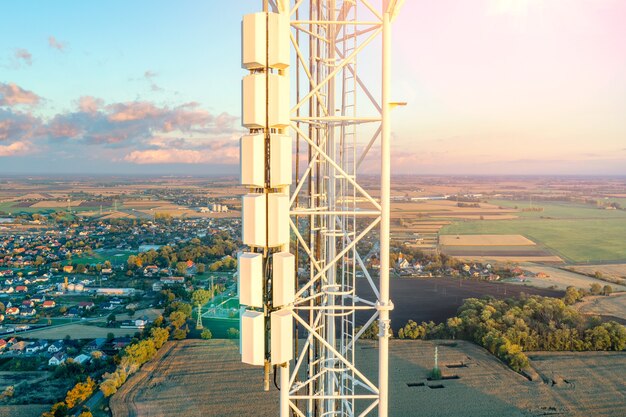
{"x": 337, "y": 123}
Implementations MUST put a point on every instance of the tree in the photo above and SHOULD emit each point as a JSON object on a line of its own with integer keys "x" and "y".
{"x": 111, "y": 318}
{"x": 206, "y": 334}
{"x": 200, "y": 297}
{"x": 201, "y": 268}
{"x": 179, "y": 334}
{"x": 80, "y": 268}
{"x": 571, "y": 295}
{"x": 232, "y": 333}
{"x": 181, "y": 268}
{"x": 177, "y": 319}
{"x": 607, "y": 290}
{"x": 160, "y": 336}
{"x": 454, "y": 325}
{"x": 595, "y": 288}
{"x": 80, "y": 392}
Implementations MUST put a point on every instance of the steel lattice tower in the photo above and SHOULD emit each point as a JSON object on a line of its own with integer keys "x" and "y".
{"x": 336, "y": 120}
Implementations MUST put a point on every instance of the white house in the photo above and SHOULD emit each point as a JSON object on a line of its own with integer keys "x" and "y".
{"x": 57, "y": 359}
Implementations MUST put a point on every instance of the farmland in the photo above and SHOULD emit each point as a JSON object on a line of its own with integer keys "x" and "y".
{"x": 562, "y": 279}
{"x": 207, "y": 378}
{"x": 613, "y": 272}
{"x": 437, "y": 299}
{"x": 574, "y": 240}
{"x": 613, "y": 306}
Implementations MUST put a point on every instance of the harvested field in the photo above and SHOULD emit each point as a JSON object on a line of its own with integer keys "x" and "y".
{"x": 475, "y": 216}
{"x": 195, "y": 378}
{"x": 145, "y": 204}
{"x": 584, "y": 383}
{"x": 485, "y": 240}
{"x": 77, "y": 331}
{"x": 116, "y": 215}
{"x": 34, "y": 410}
{"x": 527, "y": 251}
{"x": 562, "y": 279}
{"x": 206, "y": 378}
{"x": 515, "y": 259}
{"x": 612, "y": 306}
{"x": 613, "y": 271}
{"x": 57, "y": 204}
{"x": 437, "y": 299}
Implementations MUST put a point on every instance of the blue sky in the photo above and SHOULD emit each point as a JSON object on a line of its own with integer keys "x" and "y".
{"x": 493, "y": 86}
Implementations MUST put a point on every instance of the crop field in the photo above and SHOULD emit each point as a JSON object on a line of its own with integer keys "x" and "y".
{"x": 562, "y": 279}
{"x": 195, "y": 378}
{"x": 207, "y": 378}
{"x": 485, "y": 240}
{"x": 437, "y": 299}
{"x": 572, "y": 231}
{"x": 56, "y": 204}
{"x": 574, "y": 240}
{"x": 470, "y": 248}
{"x": 34, "y": 410}
{"x": 612, "y": 306}
{"x": 612, "y": 271}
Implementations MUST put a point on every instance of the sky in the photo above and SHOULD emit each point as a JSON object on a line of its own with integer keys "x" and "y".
{"x": 153, "y": 87}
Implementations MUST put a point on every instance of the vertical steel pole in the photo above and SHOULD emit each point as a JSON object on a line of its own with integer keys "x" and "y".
{"x": 385, "y": 185}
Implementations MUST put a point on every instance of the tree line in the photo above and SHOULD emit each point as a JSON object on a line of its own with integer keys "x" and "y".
{"x": 508, "y": 328}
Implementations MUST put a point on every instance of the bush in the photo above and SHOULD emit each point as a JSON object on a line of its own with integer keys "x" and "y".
{"x": 206, "y": 334}
{"x": 232, "y": 333}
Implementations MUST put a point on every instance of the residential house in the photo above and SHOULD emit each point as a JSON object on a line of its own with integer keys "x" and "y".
{"x": 28, "y": 303}
{"x": 21, "y": 288}
{"x": 86, "y": 305}
{"x": 49, "y": 304}
{"x": 19, "y": 347}
{"x": 12, "y": 311}
{"x": 57, "y": 359}
{"x": 36, "y": 346}
{"x": 95, "y": 344}
{"x": 173, "y": 280}
{"x": 28, "y": 312}
{"x": 120, "y": 343}
{"x": 68, "y": 269}
{"x": 82, "y": 359}
{"x": 151, "y": 270}
{"x": 56, "y": 347}
{"x": 3, "y": 344}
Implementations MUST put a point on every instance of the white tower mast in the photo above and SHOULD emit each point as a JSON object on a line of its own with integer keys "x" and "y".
{"x": 329, "y": 213}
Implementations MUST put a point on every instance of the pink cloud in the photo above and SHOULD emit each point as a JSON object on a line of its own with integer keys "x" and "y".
{"x": 16, "y": 148}
{"x": 89, "y": 104}
{"x": 124, "y": 112}
{"x": 56, "y": 44}
{"x": 167, "y": 156}
{"x": 12, "y": 94}
{"x": 25, "y": 56}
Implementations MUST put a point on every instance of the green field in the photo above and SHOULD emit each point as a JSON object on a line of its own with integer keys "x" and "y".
{"x": 219, "y": 327}
{"x": 576, "y": 233}
{"x": 115, "y": 256}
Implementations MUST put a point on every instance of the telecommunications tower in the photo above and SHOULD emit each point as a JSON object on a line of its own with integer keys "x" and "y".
{"x": 308, "y": 108}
